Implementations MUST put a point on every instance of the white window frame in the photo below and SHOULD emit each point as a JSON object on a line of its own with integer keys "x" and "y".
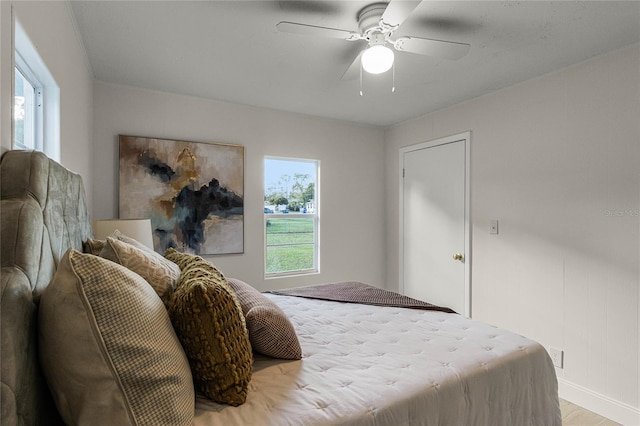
{"x": 315, "y": 269}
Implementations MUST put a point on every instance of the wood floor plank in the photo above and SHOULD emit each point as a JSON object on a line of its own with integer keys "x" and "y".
{"x": 573, "y": 415}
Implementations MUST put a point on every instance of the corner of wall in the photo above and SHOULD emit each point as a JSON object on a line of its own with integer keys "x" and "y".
{"x": 76, "y": 30}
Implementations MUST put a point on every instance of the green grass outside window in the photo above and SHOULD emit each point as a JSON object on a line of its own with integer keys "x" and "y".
{"x": 290, "y": 244}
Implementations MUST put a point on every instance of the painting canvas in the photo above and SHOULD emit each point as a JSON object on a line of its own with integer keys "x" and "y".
{"x": 192, "y": 192}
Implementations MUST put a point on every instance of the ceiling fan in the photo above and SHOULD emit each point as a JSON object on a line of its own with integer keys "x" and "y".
{"x": 376, "y": 24}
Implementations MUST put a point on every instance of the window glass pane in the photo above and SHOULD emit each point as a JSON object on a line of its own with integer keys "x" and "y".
{"x": 290, "y": 209}
{"x": 23, "y": 113}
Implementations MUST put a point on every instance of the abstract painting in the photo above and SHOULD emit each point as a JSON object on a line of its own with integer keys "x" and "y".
{"x": 192, "y": 192}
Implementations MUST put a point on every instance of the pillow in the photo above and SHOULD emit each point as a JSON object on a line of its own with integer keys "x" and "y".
{"x": 124, "y": 238}
{"x": 183, "y": 260}
{"x": 161, "y": 273}
{"x": 208, "y": 321}
{"x": 93, "y": 246}
{"x": 270, "y": 331}
{"x": 108, "y": 350}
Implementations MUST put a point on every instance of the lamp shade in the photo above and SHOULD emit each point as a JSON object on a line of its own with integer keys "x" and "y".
{"x": 377, "y": 59}
{"x": 138, "y": 229}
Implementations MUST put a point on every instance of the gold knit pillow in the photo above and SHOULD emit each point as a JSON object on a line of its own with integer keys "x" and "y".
{"x": 209, "y": 323}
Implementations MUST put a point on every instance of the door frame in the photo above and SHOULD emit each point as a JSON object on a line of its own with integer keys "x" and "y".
{"x": 466, "y": 137}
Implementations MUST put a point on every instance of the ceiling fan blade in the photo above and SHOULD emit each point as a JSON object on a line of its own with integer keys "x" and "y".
{"x": 354, "y": 69}
{"x": 429, "y": 47}
{"x": 398, "y": 11}
{"x": 312, "y": 30}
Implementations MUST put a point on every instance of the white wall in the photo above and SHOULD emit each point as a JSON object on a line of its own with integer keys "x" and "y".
{"x": 6, "y": 60}
{"x": 351, "y": 159}
{"x": 50, "y": 27}
{"x": 557, "y": 161}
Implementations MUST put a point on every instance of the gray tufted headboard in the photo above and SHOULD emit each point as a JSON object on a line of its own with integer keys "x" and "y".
{"x": 43, "y": 213}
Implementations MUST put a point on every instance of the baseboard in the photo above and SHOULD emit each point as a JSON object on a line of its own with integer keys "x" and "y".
{"x": 600, "y": 404}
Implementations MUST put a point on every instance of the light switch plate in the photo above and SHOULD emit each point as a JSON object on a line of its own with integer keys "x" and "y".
{"x": 493, "y": 227}
{"x": 557, "y": 356}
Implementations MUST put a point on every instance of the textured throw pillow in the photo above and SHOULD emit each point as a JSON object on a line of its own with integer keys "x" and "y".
{"x": 108, "y": 350}
{"x": 93, "y": 246}
{"x": 270, "y": 331}
{"x": 161, "y": 273}
{"x": 122, "y": 237}
{"x": 209, "y": 323}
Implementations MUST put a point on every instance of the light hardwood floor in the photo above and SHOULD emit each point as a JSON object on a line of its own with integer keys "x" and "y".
{"x": 572, "y": 415}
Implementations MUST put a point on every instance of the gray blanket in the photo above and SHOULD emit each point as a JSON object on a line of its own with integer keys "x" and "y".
{"x": 357, "y": 292}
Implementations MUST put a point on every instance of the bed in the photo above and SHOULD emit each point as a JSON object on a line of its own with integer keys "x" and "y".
{"x": 361, "y": 364}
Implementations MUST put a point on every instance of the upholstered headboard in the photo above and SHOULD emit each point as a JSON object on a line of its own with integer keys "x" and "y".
{"x": 43, "y": 213}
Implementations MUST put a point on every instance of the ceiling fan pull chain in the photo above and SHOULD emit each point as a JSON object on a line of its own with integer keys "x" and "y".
{"x": 361, "y": 94}
{"x": 393, "y": 78}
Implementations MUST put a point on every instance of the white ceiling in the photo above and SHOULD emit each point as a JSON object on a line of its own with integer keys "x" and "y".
{"x": 232, "y": 51}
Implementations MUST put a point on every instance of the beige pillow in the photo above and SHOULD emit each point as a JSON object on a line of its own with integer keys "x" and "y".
{"x": 127, "y": 239}
{"x": 93, "y": 246}
{"x": 108, "y": 350}
{"x": 270, "y": 331}
{"x": 161, "y": 273}
{"x": 209, "y": 323}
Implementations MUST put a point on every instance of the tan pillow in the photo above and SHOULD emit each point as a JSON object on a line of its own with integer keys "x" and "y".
{"x": 108, "y": 350}
{"x": 93, "y": 246}
{"x": 270, "y": 331}
{"x": 209, "y": 323}
{"x": 122, "y": 237}
{"x": 161, "y": 273}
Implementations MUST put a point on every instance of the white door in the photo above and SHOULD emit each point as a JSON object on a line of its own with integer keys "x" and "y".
{"x": 434, "y": 246}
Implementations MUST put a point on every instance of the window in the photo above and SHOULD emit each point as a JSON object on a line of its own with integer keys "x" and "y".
{"x": 36, "y": 102}
{"x": 291, "y": 216}
{"x": 27, "y": 108}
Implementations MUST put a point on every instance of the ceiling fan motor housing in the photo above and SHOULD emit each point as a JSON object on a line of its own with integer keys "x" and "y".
{"x": 369, "y": 18}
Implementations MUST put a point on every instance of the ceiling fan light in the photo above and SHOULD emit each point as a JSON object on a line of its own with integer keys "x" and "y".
{"x": 377, "y": 59}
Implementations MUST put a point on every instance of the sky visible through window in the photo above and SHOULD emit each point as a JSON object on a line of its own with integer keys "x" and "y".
{"x": 19, "y": 111}
{"x": 274, "y": 169}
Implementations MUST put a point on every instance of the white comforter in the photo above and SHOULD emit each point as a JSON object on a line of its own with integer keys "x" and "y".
{"x": 368, "y": 365}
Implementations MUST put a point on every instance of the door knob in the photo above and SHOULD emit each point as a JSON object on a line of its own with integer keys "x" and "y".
{"x": 458, "y": 256}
